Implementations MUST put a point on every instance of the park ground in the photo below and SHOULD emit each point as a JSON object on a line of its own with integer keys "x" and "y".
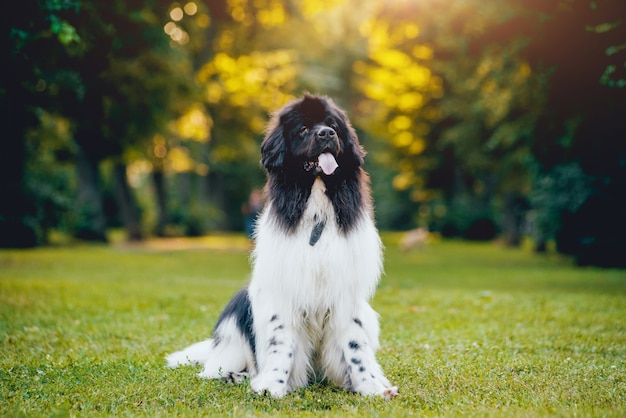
{"x": 468, "y": 329}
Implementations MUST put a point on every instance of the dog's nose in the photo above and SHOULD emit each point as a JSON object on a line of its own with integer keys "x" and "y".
{"x": 326, "y": 133}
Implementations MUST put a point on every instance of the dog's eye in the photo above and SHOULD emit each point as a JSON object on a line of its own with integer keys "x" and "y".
{"x": 303, "y": 130}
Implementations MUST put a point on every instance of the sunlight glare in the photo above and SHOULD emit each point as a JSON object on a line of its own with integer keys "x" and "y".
{"x": 191, "y": 8}
{"x": 176, "y": 14}
{"x": 169, "y": 27}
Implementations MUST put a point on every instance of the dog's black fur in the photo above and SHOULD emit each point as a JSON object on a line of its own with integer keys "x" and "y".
{"x": 289, "y": 182}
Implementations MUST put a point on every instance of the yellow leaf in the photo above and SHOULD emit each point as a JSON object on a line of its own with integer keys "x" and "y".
{"x": 417, "y": 76}
{"x": 402, "y": 181}
{"x": 403, "y": 139}
{"x": 410, "y": 101}
{"x": 179, "y": 160}
{"x": 422, "y": 52}
{"x": 400, "y": 123}
{"x": 417, "y": 146}
{"x": 391, "y": 58}
{"x": 194, "y": 124}
{"x": 213, "y": 92}
{"x": 411, "y": 30}
{"x": 202, "y": 169}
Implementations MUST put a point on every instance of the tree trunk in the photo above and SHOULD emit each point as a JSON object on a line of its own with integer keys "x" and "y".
{"x": 126, "y": 202}
{"x": 91, "y": 222}
{"x": 515, "y": 207}
{"x": 541, "y": 246}
{"x": 158, "y": 178}
{"x": 514, "y": 210}
{"x": 184, "y": 182}
{"x": 15, "y": 206}
{"x": 217, "y": 195}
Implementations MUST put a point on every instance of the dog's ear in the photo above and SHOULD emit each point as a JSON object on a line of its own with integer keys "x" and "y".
{"x": 273, "y": 147}
{"x": 355, "y": 154}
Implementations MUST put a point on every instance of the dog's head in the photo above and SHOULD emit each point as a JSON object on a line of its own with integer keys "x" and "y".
{"x": 311, "y": 135}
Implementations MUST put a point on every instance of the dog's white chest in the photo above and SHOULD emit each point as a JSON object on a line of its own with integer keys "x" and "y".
{"x": 339, "y": 267}
{"x": 319, "y": 207}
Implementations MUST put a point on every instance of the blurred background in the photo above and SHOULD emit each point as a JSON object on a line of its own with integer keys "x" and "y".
{"x": 483, "y": 119}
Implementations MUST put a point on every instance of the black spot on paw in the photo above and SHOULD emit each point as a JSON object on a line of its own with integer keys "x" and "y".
{"x": 281, "y": 381}
{"x": 361, "y": 369}
{"x": 274, "y": 318}
{"x": 354, "y": 345}
{"x": 279, "y": 327}
{"x": 358, "y": 322}
{"x": 355, "y": 361}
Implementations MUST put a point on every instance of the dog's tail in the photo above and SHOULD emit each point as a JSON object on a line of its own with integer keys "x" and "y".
{"x": 230, "y": 353}
{"x": 195, "y": 354}
{"x": 227, "y": 355}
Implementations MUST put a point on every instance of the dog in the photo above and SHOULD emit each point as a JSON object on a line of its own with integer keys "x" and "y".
{"x": 305, "y": 315}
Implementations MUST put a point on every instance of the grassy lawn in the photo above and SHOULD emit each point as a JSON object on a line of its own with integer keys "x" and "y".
{"x": 467, "y": 330}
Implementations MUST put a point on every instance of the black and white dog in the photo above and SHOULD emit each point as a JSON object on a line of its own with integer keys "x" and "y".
{"x": 316, "y": 264}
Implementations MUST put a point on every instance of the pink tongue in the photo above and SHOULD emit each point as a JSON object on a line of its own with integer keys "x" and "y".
{"x": 328, "y": 163}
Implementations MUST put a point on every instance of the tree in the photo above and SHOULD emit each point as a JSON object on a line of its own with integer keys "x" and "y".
{"x": 458, "y": 116}
{"x": 485, "y": 123}
{"x": 108, "y": 68}
{"x": 582, "y": 47}
{"x": 21, "y": 95}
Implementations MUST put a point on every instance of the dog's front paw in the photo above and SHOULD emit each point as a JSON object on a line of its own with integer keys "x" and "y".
{"x": 263, "y": 384}
{"x": 377, "y": 387}
{"x": 389, "y": 393}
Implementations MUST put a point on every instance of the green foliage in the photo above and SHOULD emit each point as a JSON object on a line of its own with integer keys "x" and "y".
{"x": 466, "y": 217}
{"x": 467, "y": 330}
{"x": 560, "y": 191}
{"x": 585, "y": 129}
{"x": 580, "y": 212}
{"x": 50, "y": 176}
{"x": 465, "y": 105}
{"x": 65, "y": 32}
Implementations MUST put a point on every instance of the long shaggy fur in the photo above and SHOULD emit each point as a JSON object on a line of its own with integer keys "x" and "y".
{"x": 317, "y": 261}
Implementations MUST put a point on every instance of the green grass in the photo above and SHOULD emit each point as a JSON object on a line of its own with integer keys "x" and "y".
{"x": 467, "y": 330}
